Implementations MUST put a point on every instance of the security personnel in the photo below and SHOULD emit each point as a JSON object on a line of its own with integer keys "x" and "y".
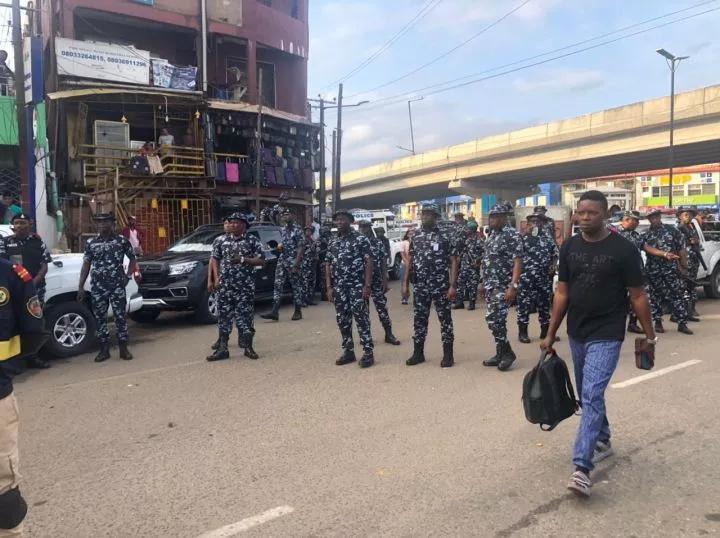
{"x": 433, "y": 260}
{"x": 323, "y": 243}
{"x": 103, "y": 261}
{"x": 548, "y": 226}
{"x": 21, "y": 333}
{"x": 685, "y": 215}
{"x": 664, "y": 276}
{"x": 502, "y": 266}
{"x": 309, "y": 267}
{"x": 274, "y": 214}
{"x": 27, "y": 249}
{"x": 540, "y": 254}
{"x": 289, "y": 265}
{"x": 237, "y": 253}
{"x": 379, "y": 281}
{"x": 470, "y": 259}
{"x": 348, "y": 274}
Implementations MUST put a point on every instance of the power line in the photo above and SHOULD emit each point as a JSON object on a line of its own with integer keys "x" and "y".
{"x": 448, "y": 52}
{"x": 399, "y": 98}
{"x": 427, "y": 8}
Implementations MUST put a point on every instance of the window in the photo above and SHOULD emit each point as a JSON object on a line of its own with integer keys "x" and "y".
{"x": 646, "y": 190}
{"x": 295, "y": 10}
{"x": 708, "y": 189}
{"x": 694, "y": 190}
{"x": 664, "y": 191}
{"x": 678, "y": 189}
{"x": 266, "y": 74}
{"x": 656, "y": 192}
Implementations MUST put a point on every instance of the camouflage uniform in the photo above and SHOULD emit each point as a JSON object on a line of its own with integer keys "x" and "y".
{"x": 293, "y": 238}
{"x": 693, "y": 264}
{"x": 347, "y": 256}
{"x": 379, "y": 259}
{"x": 323, "y": 242}
{"x": 469, "y": 274}
{"x": 663, "y": 279}
{"x": 108, "y": 281}
{"x": 308, "y": 268}
{"x": 29, "y": 252}
{"x": 539, "y": 252}
{"x": 501, "y": 249}
{"x": 639, "y": 241}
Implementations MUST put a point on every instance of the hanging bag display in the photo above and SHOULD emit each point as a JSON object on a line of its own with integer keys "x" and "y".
{"x": 232, "y": 172}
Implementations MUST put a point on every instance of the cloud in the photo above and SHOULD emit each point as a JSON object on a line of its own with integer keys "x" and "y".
{"x": 575, "y": 80}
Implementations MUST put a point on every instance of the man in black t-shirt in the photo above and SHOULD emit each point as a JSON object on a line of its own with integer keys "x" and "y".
{"x": 597, "y": 268}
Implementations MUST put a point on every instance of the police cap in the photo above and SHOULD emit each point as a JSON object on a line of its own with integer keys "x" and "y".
{"x": 632, "y": 214}
{"x": 432, "y": 208}
{"x": 344, "y": 213}
{"x": 540, "y": 209}
{"x": 652, "y": 212}
{"x": 537, "y": 214}
{"x": 687, "y": 209}
{"x": 501, "y": 209}
{"x": 237, "y": 215}
{"x": 104, "y": 217}
{"x": 20, "y": 216}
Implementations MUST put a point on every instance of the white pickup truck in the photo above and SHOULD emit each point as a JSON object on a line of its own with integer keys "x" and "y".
{"x": 71, "y": 323}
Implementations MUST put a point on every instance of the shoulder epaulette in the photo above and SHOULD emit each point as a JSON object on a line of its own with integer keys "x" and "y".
{"x": 22, "y": 273}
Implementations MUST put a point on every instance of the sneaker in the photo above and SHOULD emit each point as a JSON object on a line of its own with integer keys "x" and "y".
{"x": 580, "y": 484}
{"x": 404, "y": 301}
{"x": 603, "y": 450}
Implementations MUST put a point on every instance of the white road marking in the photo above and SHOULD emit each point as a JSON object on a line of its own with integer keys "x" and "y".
{"x": 248, "y": 523}
{"x": 656, "y": 373}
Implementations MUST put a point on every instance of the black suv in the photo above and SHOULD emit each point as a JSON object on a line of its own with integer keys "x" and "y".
{"x": 177, "y": 279}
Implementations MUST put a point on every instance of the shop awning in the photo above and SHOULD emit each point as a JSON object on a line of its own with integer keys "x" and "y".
{"x": 254, "y": 109}
{"x": 86, "y": 92}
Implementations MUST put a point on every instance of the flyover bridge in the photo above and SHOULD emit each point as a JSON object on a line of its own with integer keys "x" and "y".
{"x": 626, "y": 139}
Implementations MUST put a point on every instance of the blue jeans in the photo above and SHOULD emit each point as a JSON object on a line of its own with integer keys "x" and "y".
{"x": 595, "y": 364}
{"x": 402, "y": 277}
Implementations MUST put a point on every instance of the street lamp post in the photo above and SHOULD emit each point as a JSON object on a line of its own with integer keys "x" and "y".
{"x": 673, "y": 62}
{"x": 412, "y": 132}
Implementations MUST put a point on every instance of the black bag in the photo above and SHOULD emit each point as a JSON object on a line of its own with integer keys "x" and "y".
{"x": 548, "y": 396}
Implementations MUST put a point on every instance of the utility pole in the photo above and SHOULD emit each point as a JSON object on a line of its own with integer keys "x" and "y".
{"x": 338, "y": 152}
{"x": 412, "y": 130}
{"x": 20, "y": 110}
{"x": 258, "y": 151}
{"x": 323, "y": 195}
{"x": 333, "y": 173}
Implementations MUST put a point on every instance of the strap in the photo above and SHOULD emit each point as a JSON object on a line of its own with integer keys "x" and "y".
{"x": 21, "y": 272}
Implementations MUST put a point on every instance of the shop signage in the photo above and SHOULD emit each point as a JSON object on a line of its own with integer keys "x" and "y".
{"x": 699, "y": 199}
{"x": 102, "y": 61}
{"x": 32, "y": 60}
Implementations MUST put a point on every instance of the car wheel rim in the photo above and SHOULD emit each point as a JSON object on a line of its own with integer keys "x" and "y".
{"x": 213, "y": 305}
{"x": 70, "y": 330}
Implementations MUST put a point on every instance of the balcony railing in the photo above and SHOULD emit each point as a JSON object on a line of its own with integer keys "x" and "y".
{"x": 172, "y": 161}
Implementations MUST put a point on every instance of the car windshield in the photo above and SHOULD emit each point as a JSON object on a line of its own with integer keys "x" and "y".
{"x": 199, "y": 241}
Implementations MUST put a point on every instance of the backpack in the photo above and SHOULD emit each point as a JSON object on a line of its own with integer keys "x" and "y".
{"x": 548, "y": 396}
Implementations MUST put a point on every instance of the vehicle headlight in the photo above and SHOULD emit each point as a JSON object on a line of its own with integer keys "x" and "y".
{"x": 182, "y": 268}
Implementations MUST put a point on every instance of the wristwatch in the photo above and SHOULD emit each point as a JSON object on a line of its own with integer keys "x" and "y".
{"x": 515, "y": 285}
{"x": 652, "y": 341}
{"x": 242, "y": 260}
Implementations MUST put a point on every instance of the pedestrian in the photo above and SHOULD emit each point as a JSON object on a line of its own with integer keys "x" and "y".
{"x": 135, "y": 235}
{"x": 385, "y": 242}
{"x": 433, "y": 261}
{"x": 405, "y": 265}
{"x": 27, "y": 249}
{"x": 597, "y": 270}
{"x": 665, "y": 278}
{"x": 470, "y": 260}
{"x": 309, "y": 266}
{"x": 348, "y": 274}
{"x": 502, "y": 266}
{"x": 7, "y": 77}
{"x": 237, "y": 253}
{"x": 540, "y": 253}
{"x": 289, "y": 266}
{"x": 22, "y": 331}
{"x": 12, "y": 207}
{"x": 104, "y": 262}
{"x": 274, "y": 214}
{"x": 685, "y": 215}
{"x": 380, "y": 280}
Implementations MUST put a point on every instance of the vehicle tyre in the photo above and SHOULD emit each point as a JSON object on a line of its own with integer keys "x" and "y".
{"x": 72, "y": 329}
{"x": 394, "y": 272}
{"x": 144, "y": 315}
{"x": 713, "y": 289}
{"x": 207, "y": 308}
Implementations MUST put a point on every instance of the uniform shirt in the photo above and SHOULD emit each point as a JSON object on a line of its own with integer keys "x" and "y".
{"x": 501, "y": 249}
{"x": 311, "y": 252}
{"x": 347, "y": 255}
{"x": 539, "y": 250}
{"x": 549, "y": 228}
{"x": 379, "y": 258}
{"x": 667, "y": 238}
{"x": 30, "y": 252}
{"x": 431, "y": 251}
{"x": 272, "y": 214}
{"x": 106, "y": 257}
{"x": 689, "y": 231}
{"x": 473, "y": 251}
{"x": 633, "y": 236}
{"x": 292, "y": 239}
{"x": 226, "y": 247}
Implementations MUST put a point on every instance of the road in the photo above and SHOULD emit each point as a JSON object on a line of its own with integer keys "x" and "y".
{"x": 169, "y": 445}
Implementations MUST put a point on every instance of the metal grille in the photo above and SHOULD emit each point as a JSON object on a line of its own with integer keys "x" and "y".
{"x": 166, "y": 220}
{"x": 10, "y": 182}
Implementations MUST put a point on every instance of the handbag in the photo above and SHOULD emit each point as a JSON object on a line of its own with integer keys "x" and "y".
{"x": 246, "y": 173}
{"x": 220, "y": 171}
{"x": 289, "y": 177}
{"x": 232, "y": 172}
{"x": 280, "y": 175}
{"x": 308, "y": 182}
{"x": 270, "y": 178}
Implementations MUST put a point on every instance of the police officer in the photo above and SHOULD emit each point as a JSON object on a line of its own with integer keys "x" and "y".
{"x": 274, "y": 214}
{"x": 323, "y": 243}
{"x": 237, "y": 253}
{"x": 21, "y": 332}
{"x": 664, "y": 276}
{"x": 433, "y": 260}
{"x": 470, "y": 259}
{"x": 379, "y": 281}
{"x": 685, "y": 215}
{"x": 502, "y": 266}
{"x": 103, "y": 261}
{"x": 27, "y": 249}
{"x": 540, "y": 254}
{"x": 548, "y": 226}
{"x": 348, "y": 274}
{"x": 309, "y": 267}
{"x": 289, "y": 266}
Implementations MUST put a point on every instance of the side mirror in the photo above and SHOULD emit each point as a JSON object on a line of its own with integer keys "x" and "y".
{"x": 58, "y": 263}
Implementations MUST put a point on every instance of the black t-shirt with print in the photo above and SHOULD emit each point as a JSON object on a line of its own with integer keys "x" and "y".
{"x": 598, "y": 275}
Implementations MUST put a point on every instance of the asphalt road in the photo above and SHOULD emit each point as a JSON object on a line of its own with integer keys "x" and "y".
{"x": 169, "y": 445}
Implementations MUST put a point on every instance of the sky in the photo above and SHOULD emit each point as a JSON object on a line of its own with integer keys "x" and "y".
{"x": 344, "y": 34}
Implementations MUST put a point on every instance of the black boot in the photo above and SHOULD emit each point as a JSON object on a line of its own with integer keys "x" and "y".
{"x": 124, "y": 351}
{"x": 241, "y": 341}
{"x": 683, "y": 328}
{"x": 248, "y": 345}
{"x": 104, "y": 353}
{"x": 693, "y": 318}
{"x": 297, "y": 315}
{"x": 544, "y": 330}
{"x": 659, "y": 327}
{"x": 448, "y": 359}
{"x": 222, "y": 352}
{"x": 348, "y": 356}
{"x": 494, "y": 360}
{"x": 390, "y": 337}
{"x": 418, "y": 355}
{"x": 216, "y": 344}
{"x": 367, "y": 360}
{"x": 507, "y": 357}
{"x": 458, "y": 305}
{"x": 273, "y": 314}
{"x": 36, "y": 363}
{"x": 694, "y": 313}
{"x": 523, "y": 334}
{"x": 471, "y": 305}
